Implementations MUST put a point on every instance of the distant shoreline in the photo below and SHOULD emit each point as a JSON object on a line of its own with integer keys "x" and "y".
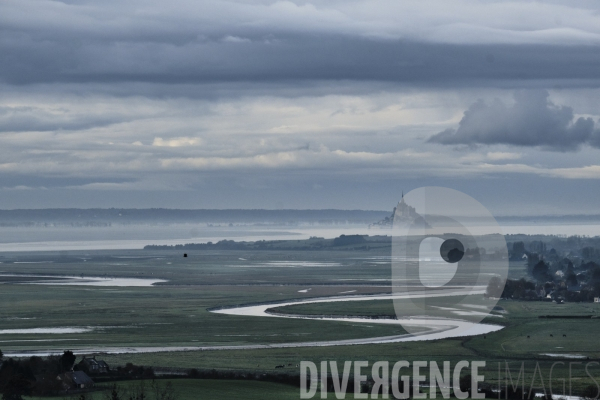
{"x": 235, "y": 215}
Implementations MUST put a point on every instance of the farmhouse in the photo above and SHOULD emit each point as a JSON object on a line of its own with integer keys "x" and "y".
{"x": 94, "y": 366}
{"x": 75, "y": 380}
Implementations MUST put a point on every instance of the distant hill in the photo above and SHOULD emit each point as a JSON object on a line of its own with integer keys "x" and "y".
{"x": 108, "y": 216}
{"x": 103, "y": 216}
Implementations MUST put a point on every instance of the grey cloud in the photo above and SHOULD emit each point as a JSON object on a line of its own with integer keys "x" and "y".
{"x": 240, "y": 80}
{"x": 26, "y": 119}
{"x": 394, "y": 42}
{"x": 297, "y": 57}
{"x": 472, "y": 21}
{"x": 532, "y": 120}
{"x": 32, "y": 181}
{"x": 595, "y": 138}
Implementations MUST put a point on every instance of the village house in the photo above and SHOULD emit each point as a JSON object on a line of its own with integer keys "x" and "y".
{"x": 94, "y": 366}
{"x": 75, "y": 380}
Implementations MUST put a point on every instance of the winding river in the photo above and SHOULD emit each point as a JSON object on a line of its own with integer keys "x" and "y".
{"x": 433, "y": 329}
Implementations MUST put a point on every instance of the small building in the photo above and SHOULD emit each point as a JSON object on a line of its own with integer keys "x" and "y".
{"x": 596, "y": 299}
{"x": 75, "y": 380}
{"x": 94, "y": 366}
{"x": 102, "y": 366}
{"x": 559, "y": 274}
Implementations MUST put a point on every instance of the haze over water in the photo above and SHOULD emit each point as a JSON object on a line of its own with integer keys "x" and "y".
{"x": 137, "y": 236}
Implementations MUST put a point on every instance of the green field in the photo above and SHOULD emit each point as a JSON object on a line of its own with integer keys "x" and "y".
{"x": 521, "y": 319}
{"x": 192, "y": 389}
{"x": 175, "y": 313}
{"x": 208, "y": 389}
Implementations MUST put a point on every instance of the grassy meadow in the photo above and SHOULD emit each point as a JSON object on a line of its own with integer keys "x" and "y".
{"x": 193, "y": 389}
{"x": 175, "y": 313}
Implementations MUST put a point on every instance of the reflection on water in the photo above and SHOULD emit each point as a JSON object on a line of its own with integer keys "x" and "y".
{"x": 65, "y": 280}
{"x": 45, "y": 330}
{"x": 564, "y": 355}
{"x": 431, "y": 328}
{"x": 138, "y": 236}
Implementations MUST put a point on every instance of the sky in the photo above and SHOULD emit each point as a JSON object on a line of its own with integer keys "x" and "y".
{"x": 310, "y": 105}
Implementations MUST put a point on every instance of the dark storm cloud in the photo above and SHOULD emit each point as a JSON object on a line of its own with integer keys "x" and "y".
{"x": 294, "y": 57}
{"x": 207, "y": 42}
{"x": 532, "y": 120}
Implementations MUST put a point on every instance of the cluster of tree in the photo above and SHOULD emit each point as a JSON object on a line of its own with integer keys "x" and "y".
{"x": 293, "y": 379}
{"x": 521, "y": 289}
{"x": 571, "y": 246}
{"x": 38, "y": 376}
{"x": 571, "y": 273}
{"x": 276, "y": 377}
{"x": 33, "y": 376}
{"x": 581, "y": 284}
{"x": 561, "y": 279}
{"x": 590, "y": 253}
{"x": 348, "y": 240}
{"x": 133, "y": 371}
{"x": 128, "y": 372}
{"x": 357, "y": 242}
{"x": 220, "y": 245}
{"x": 153, "y": 390}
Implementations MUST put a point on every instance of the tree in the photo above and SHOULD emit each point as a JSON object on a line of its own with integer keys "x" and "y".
{"x": 571, "y": 279}
{"x": 1, "y": 355}
{"x": 590, "y": 253}
{"x": 518, "y": 250}
{"x": 495, "y": 287}
{"x": 520, "y": 289}
{"x": 11, "y": 396}
{"x": 67, "y": 360}
{"x": 532, "y": 259}
{"x": 465, "y": 383}
{"x": 16, "y": 387}
{"x": 540, "y": 271}
{"x": 591, "y": 392}
{"x": 113, "y": 394}
{"x": 166, "y": 392}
